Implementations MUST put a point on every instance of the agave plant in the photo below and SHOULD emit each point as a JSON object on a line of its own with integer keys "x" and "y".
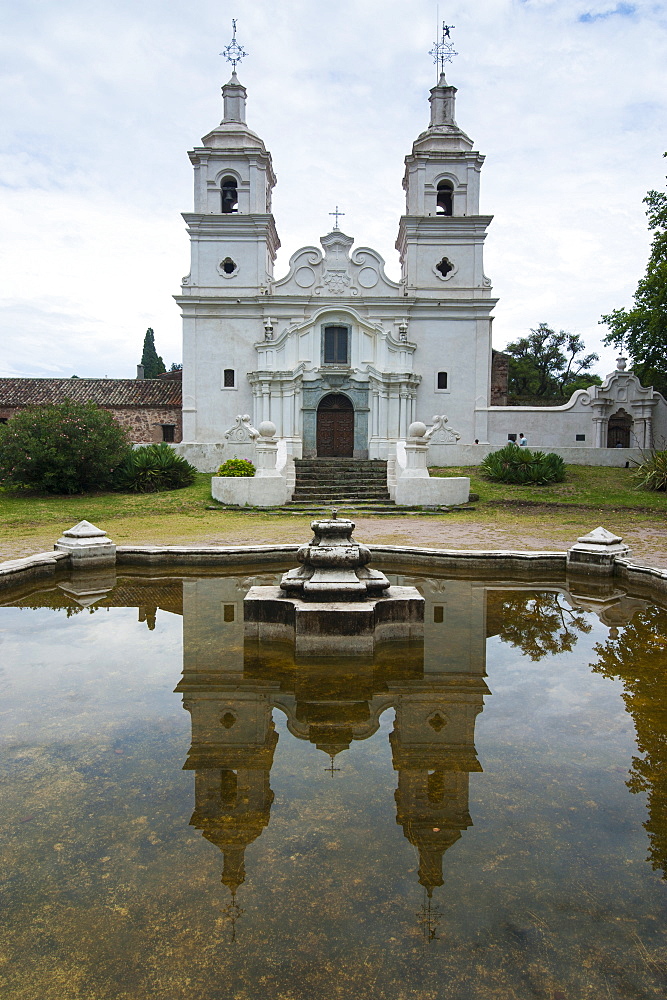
{"x": 521, "y": 467}
{"x": 652, "y": 473}
{"x": 152, "y": 468}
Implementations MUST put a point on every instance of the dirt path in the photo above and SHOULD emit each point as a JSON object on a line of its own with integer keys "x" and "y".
{"x": 485, "y": 528}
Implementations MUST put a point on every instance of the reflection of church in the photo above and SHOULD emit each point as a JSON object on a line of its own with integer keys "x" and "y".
{"x": 436, "y": 689}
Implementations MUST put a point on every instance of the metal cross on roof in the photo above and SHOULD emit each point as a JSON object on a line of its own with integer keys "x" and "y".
{"x": 336, "y": 213}
{"x": 443, "y": 51}
{"x": 234, "y": 52}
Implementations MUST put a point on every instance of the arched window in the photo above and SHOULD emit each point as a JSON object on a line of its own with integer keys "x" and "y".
{"x": 229, "y": 195}
{"x": 444, "y": 204}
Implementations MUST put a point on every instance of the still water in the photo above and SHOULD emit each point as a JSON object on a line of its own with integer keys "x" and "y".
{"x": 484, "y": 816}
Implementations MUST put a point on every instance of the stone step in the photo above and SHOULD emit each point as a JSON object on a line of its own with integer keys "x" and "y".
{"x": 341, "y": 482}
{"x": 341, "y": 490}
{"x": 332, "y": 473}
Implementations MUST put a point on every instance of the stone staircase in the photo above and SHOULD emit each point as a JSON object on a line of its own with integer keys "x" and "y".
{"x": 353, "y": 486}
{"x": 340, "y": 480}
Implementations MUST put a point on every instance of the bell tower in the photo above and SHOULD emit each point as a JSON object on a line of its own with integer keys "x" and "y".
{"x": 233, "y": 246}
{"x": 447, "y": 296}
{"x": 232, "y": 231}
{"x": 442, "y": 234}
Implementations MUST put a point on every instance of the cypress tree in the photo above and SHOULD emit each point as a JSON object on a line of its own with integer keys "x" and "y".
{"x": 150, "y": 359}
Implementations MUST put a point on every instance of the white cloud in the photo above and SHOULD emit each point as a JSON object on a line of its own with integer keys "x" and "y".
{"x": 100, "y": 102}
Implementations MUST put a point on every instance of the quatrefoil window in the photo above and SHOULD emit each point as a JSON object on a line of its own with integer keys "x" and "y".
{"x": 228, "y": 720}
{"x": 437, "y": 722}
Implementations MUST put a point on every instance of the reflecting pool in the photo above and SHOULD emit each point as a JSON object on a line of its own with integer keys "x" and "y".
{"x": 188, "y": 815}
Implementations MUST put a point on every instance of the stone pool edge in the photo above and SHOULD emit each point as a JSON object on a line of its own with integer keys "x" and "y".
{"x": 619, "y": 568}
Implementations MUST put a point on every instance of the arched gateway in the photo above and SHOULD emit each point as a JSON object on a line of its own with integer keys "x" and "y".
{"x": 335, "y": 427}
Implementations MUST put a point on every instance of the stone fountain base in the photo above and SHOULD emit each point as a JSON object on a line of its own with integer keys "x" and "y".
{"x": 332, "y": 604}
{"x": 333, "y": 628}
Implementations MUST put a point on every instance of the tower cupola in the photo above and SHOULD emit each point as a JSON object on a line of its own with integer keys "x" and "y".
{"x": 441, "y": 235}
{"x": 232, "y": 231}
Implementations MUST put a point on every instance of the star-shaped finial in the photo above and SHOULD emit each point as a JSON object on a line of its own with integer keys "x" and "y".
{"x": 234, "y": 52}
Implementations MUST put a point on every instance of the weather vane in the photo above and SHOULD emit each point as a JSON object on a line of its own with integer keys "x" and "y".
{"x": 336, "y": 213}
{"x": 234, "y": 52}
{"x": 444, "y": 51}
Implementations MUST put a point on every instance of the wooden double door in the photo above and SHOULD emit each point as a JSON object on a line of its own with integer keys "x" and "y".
{"x": 335, "y": 427}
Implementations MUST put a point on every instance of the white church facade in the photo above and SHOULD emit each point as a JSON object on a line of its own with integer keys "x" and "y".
{"x": 340, "y": 358}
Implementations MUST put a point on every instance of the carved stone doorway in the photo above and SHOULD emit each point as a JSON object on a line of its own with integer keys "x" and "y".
{"x": 618, "y": 432}
{"x": 335, "y": 427}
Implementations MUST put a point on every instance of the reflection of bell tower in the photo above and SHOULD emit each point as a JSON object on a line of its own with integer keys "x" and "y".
{"x": 233, "y": 798}
{"x": 233, "y": 741}
{"x": 434, "y": 752}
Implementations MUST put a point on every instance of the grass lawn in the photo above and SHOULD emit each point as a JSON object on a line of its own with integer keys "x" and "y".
{"x": 592, "y": 486}
{"x": 549, "y": 517}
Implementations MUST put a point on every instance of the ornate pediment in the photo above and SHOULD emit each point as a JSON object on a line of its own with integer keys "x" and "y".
{"x": 336, "y": 272}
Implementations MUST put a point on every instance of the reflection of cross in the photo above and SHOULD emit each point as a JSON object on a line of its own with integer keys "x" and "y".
{"x": 331, "y": 767}
{"x": 232, "y": 912}
{"x": 234, "y": 52}
{"x": 336, "y": 213}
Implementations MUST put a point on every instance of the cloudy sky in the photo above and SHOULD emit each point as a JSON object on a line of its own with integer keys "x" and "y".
{"x": 102, "y": 99}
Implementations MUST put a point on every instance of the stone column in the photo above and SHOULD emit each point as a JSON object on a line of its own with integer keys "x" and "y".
{"x": 599, "y": 426}
{"x": 266, "y": 451}
{"x": 416, "y": 452}
{"x": 383, "y": 428}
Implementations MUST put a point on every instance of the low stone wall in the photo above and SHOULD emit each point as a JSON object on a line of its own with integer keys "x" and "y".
{"x": 42, "y": 566}
{"x": 534, "y": 567}
{"x": 443, "y": 456}
{"x": 252, "y": 491}
{"x": 432, "y": 492}
{"x": 205, "y": 457}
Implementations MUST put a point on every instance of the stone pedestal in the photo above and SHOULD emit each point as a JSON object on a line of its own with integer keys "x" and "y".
{"x": 333, "y": 604}
{"x": 333, "y": 628}
{"x": 87, "y": 546}
{"x": 594, "y": 554}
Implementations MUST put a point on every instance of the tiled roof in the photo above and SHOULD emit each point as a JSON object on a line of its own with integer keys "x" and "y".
{"x": 103, "y": 391}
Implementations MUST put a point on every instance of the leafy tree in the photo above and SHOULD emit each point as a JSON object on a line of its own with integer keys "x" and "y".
{"x": 65, "y": 448}
{"x": 175, "y": 367}
{"x": 537, "y": 623}
{"x": 549, "y": 365}
{"x": 637, "y": 657}
{"x": 150, "y": 359}
{"x": 642, "y": 330}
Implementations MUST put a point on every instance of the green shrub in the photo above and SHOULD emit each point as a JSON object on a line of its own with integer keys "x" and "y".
{"x": 236, "y": 467}
{"x": 152, "y": 468}
{"x": 62, "y": 448}
{"x": 652, "y": 473}
{"x": 521, "y": 467}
